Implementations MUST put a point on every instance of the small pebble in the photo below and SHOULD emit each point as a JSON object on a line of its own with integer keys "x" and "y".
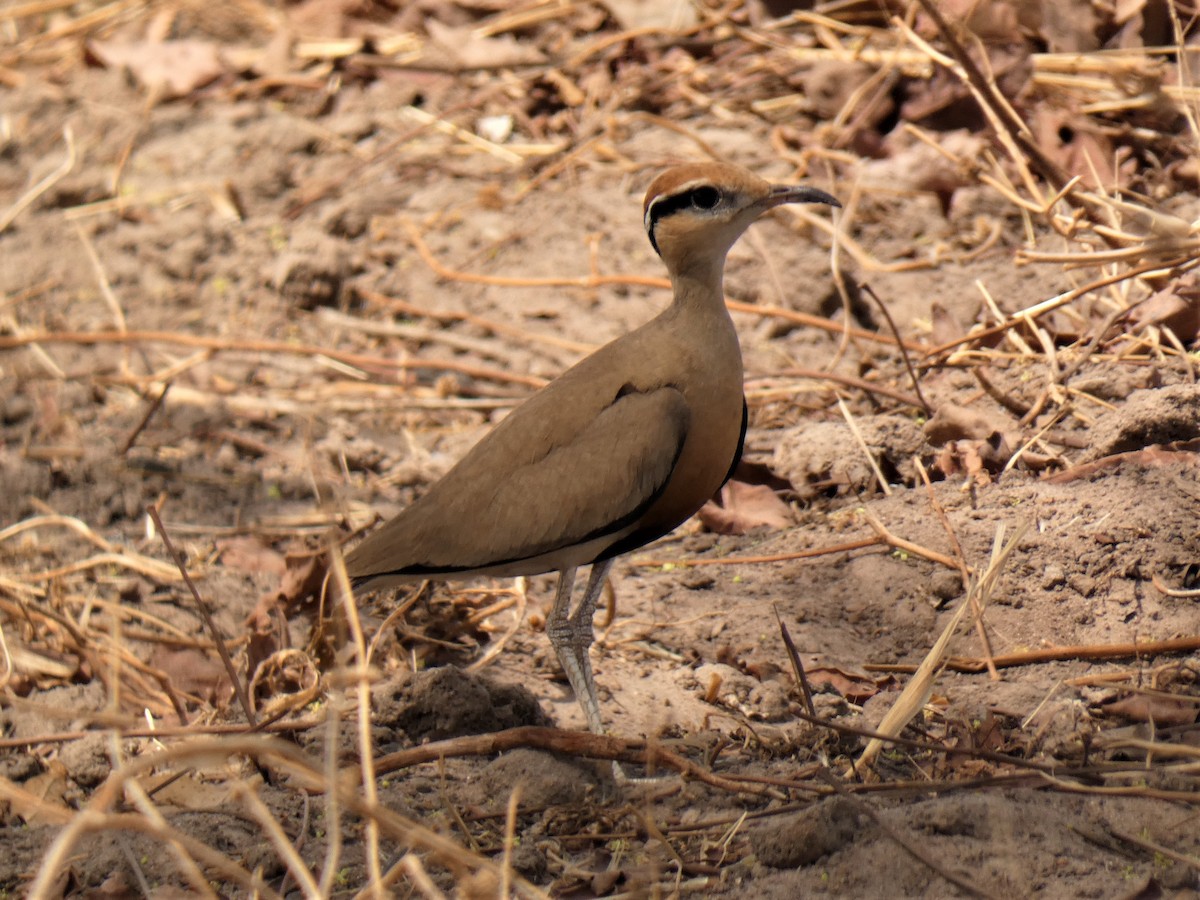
{"x": 697, "y": 581}
{"x": 803, "y": 838}
{"x": 945, "y": 586}
{"x": 1084, "y": 585}
{"x": 1054, "y": 576}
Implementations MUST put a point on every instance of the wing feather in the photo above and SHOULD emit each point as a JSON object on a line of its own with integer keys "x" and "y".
{"x": 505, "y": 503}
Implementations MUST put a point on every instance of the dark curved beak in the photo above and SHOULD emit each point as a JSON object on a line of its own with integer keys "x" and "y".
{"x": 784, "y": 193}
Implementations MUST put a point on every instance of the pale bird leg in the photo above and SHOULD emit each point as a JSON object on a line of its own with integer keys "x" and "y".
{"x": 572, "y": 635}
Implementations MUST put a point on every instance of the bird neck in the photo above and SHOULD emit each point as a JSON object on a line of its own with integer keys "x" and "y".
{"x": 699, "y": 288}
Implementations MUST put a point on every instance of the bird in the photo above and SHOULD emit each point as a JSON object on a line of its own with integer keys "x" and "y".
{"x": 613, "y": 453}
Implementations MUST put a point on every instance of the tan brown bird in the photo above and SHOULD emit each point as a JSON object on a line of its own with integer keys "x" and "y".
{"x": 615, "y": 452}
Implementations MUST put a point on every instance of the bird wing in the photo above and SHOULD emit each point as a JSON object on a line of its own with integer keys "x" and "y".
{"x": 501, "y": 505}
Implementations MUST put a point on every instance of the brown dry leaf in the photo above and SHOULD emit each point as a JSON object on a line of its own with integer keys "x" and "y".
{"x": 977, "y": 459}
{"x": 189, "y": 792}
{"x": 1076, "y": 146}
{"x": 952, "y": 422}
{"x": 996, "y": 21}
{"x": 250, "y": 555}
{"x": 322, "y": 19}
{"x": 467, "y": 50}
{"x": 1176, "y": 307}
{"x": 745, "y": 507}
{"x": 287, "y": 679}
{"x": 635, "y": 14}
{"x": 170, "y": 68}
{"x": 857, "y": 687}
{"x": 1067, "y": 26}
{"x": 304, "y": 577}
{"x": 950, "y": 103}
{"x": 946, "y": 327}
{"x": 49, "y": 787}
{"x": 1149, "y": 708}
{"x": 194, "y": 672}
{"x": 914, "y": 165}
{"x": 272, "y": 60}
{"x": 1139, "y": 27}
{"x": 303, "y": 580}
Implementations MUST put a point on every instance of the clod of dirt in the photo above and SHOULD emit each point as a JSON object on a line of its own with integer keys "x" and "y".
{"x": 816, "y": 458}
{"x": 312, "y": 271}
{"x": 969, "y": 817}
{"x": 22, "y": 479}
{"x": 545, "y": 779}
{"x": 803, "y": 838}
{"x": 352, "y": 217}
{"x": 763, "y": 700}
{"x": 1148, "y": 417}
{"x": 952, "y": 422}
{"x": 447, "y": 702}
{"x": 87, "y": 759}
{"x": 1113, "y": 382}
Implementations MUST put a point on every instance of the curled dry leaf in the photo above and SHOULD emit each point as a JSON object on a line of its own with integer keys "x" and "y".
{"x": 952, "y": 422}
{"x": 191, "y": 791}
{"x": 1176, "y": 307}
{"x": 196, "y": 673}
{"x": 168, "y": 68}
{"x": 50, "y": 789}
{"x": 250, "y": 555}
{"x": 303, "y": 581}
{"x": 1150, "y": 708}
{"x": 288, "y": 679}
{"x": 745, "y": 507}
{"x": 978, "y": 459}
{"x": 462, "y": 48}
{"x": 1065, "y": 25}
{"x": 1079, "y": 148}
{"x": 856, "y": 686}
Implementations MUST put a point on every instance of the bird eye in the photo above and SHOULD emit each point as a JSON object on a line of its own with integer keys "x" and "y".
{"x": 705, "y": 197}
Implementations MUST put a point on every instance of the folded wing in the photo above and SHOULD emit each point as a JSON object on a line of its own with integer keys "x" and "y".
{"x": 502, "y": 505}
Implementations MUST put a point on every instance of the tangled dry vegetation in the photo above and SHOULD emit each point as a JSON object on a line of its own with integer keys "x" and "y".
{"x": 176, "y": 681}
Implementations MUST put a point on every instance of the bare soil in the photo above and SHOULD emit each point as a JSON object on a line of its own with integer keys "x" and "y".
{"x": 258, "y": 252}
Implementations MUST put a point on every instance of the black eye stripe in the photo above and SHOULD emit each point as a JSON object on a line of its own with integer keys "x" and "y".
{"x": 666, "y": 206}
{"x": 702, "y": 197}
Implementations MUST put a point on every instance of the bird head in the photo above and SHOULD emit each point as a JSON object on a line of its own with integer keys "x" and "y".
{"x": 696, "y": 211}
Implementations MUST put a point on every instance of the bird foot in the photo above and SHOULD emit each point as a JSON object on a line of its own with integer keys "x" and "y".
{"x": 574, "y": 659}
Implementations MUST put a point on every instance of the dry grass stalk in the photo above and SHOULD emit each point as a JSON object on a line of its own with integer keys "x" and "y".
{"x": 202, "y": 607}
{"x": 288, "y": 761}
{"x": 380, "y": 364}
{"x": 920, "y": 686}
{"x": 861, "y": 443}
{"x": 61, "y": 171}
{"x": 360, "y": 675}
{"x": 846, "y": 547}
{"x": 906, "y": 546}
{"x": 574, "y": 743}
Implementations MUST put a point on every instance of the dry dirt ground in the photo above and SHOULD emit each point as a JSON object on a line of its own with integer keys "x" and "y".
{"x": 261, "y": 263}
